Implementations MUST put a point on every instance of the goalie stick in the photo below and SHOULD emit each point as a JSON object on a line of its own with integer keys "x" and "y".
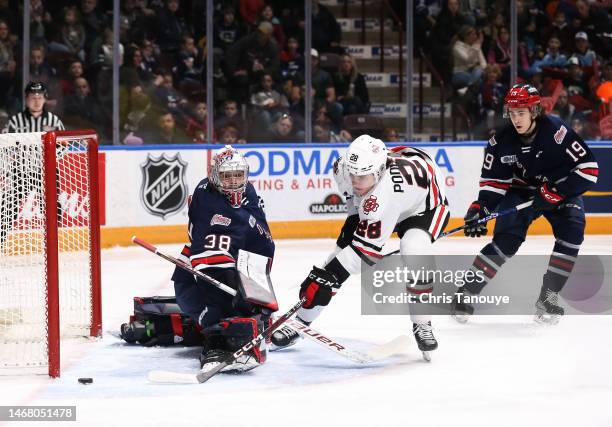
{"x": 373, "y": 355}
{"x": 200, "y": 377}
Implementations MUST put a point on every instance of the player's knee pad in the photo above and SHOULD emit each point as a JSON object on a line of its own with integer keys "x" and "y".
{"x": 160, "y": 321}
{"x": 232, "y": 333}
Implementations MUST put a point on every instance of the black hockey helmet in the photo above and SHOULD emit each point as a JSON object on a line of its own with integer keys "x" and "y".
{"x": 36, "y": 87}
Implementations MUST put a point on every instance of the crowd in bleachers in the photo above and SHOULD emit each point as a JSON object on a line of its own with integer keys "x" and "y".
{"x": 565, "y": 49}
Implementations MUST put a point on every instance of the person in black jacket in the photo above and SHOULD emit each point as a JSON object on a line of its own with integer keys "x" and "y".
{"x": 351, "y": 89}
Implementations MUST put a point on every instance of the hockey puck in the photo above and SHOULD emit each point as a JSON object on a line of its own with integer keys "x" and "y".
{"x": 85, "y": 380}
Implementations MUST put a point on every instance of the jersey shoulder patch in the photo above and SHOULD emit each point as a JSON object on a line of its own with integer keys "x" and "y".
{"x": 560, "y": 134}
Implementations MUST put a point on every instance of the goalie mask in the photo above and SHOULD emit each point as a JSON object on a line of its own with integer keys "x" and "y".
{"x": 366, "y": 155}
{"x": 229, "y": 173}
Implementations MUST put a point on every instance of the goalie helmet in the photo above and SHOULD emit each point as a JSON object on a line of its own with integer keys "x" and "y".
{"x": 229, "y": 173}
{"x": 366, "y": 155}
{"x": 523, "y": 96}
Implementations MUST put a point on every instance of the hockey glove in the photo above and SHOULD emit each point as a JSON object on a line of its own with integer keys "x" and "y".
{"x": 474, "y": 213}
{"x": 318, "y": 288}
{"x": 547, "y": 198}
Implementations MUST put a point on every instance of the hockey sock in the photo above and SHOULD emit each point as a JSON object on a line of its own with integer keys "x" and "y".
{"x": 560, "y": 265}
{"x": 488, "y": 262}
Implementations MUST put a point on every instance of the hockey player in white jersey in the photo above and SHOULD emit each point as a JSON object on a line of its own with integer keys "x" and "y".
{"x": 387, "y": 190}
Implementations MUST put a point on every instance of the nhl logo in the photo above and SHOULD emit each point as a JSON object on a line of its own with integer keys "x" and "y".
{"x": 163, "y": 191}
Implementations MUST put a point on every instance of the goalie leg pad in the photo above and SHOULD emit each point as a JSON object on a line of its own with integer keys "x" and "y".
{"x": 160, "y": 321}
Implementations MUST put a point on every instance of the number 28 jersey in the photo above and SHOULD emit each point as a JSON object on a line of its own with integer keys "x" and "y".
{"x": 412, "y": 186}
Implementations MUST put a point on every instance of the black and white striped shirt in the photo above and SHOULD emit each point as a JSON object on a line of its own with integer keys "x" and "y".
{"x": 25, "y": 122}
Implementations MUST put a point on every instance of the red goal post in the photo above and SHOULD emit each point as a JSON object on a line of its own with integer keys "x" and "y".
{"x": 50, "y": 246}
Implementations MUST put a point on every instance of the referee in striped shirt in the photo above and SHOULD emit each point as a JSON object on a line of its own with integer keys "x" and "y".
{"x": 34, "y": 118}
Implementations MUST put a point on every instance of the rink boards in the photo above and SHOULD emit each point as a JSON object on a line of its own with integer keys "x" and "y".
{"x": 145, "y": 189}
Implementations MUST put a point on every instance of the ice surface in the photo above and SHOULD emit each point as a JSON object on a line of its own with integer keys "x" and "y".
{"x": 494, "y": 371}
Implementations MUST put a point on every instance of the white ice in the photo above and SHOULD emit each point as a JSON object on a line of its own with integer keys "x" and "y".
{"x": 494, "y": 371}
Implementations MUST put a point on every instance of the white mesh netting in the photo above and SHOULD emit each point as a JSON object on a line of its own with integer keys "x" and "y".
{"x": 23, "y": 269}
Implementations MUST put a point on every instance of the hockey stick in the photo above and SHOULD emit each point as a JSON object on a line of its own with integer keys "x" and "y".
{"x": 488, "y": 218}
{"x": 200, "y": 377}
{"x": 184, "y": 266}
{"x": 377, "y": 353}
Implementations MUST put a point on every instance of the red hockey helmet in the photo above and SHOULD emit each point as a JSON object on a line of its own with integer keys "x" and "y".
{"x": 523, "y": 96}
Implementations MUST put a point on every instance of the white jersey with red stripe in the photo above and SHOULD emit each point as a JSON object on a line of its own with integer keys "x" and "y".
{"x": 411, "y": 186}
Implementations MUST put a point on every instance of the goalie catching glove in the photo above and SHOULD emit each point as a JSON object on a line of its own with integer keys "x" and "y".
{"x": 318, "y": 288}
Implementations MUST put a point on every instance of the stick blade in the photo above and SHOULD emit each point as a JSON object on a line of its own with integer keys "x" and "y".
{"x": 173, "y": 377}
{"x": 397, "y": 345}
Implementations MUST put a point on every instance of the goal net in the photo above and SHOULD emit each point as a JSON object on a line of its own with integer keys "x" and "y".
{"x": 49, "y": 247}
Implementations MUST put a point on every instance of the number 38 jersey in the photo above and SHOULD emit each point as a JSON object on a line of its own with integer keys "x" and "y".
{"x": 410, "y": 194}
{"x": 556, "y": 155}
{"x": 217, "y": 231}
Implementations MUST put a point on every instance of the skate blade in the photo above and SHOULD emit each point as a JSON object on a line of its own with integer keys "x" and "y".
{"x": 546, "y": 319}
{"x": 427, "y": 356}
{"x": 274, "y": 347}
{"x": 461, "y": 318}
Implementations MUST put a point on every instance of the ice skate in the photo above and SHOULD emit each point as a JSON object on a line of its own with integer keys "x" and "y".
{"x": 461, "y": 311}
{"x": 283, "y": 337}
{"x": 425, "y": 339}
{"x": 548, "y": 310}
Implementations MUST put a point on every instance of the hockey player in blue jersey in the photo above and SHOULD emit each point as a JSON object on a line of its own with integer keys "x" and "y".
{"x": 225, "y": 216}
{"x": 533, "y": 156}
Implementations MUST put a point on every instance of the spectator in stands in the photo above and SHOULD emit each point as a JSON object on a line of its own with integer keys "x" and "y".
{"x": 249, "y": 58}
{"x": 469, "y": 61}
{"x": 10, "y": 16}
{"x": 390, "y": 135}
{"x": 227, "y": 31}
{"x": 553, "y": 58}
{"x": 267, "y": 15}
{"x": 231, "y": 116}
{"x": 326, "y": 32}
{"x": 576, "y": 86}
{"x": 500, "y": 54}
{"x": 531, "y": 20}
{"x": 138, "y": 119}
{"x": 197, "y": 125}
{"x": 101, "y": 55}
{"x": 189, "y": 61}
{"x": 292, "y": 63}
{"x": 579, "y": 124}
{"x": 448, "y": 23}
{"x": 74, "y": 71}
{"x": 351, "y": 89}
{"x": 168, "y": 132}
{"x": 40, "y": 20}
{"x": 7, "y": 62}
{"x": 169, "y": 99}
{"x": 81, "y": 108}
{"x": 73, "y": 33}
{"x": 140, "y": 19}
{"x": 42, "y": 72}
{"x": 561, "y": 29}
{"x": 267, "y": 103}
{"x": 563, "y": 108}
{"x": 485, "y": 102}
{"x": 93, "y": 19}
{"x": 249, "y": 10}
{"x": 171, "y": 26}
{"x": 150, "y": 58}
{"x": 586, "y": 56}
{"x": 283, "y": 131}
{"x": 230, "y": 135}
{"x": 596, "y": 22}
